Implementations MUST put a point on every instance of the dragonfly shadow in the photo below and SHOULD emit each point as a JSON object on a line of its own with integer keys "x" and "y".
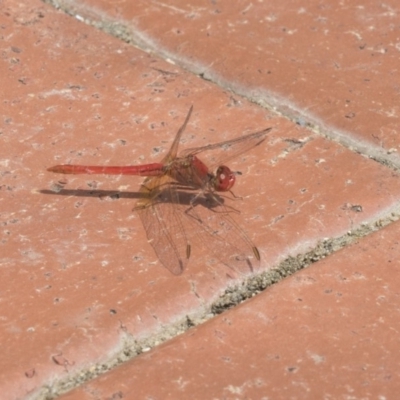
{"x": 183, "y": 195}
{"x": 178, "y": 219}
{"x": 114, "y": 194}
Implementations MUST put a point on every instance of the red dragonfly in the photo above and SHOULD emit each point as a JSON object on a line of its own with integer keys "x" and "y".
{"x": 180, "y": 206}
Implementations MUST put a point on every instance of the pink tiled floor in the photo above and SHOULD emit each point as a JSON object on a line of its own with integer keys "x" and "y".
{"x": 81, "y": 290}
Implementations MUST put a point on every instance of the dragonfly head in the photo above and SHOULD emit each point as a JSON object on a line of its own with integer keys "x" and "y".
{"x": 224, "y": 179}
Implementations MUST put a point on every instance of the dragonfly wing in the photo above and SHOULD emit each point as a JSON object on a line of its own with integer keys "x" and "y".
{"x": 171, "y": 155}
{"x": 220, "y": 153}
{"x": 218, "y": 232}
{"x": 160, "y": 213}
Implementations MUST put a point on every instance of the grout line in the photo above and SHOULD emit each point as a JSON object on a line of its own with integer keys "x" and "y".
{"x": 277, "y": 104}
{"x": 290, "y": 265}
{"x": 130, "y": 347}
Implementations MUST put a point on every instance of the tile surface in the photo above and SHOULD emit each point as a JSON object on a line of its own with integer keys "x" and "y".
{"x": 81, "y": 289}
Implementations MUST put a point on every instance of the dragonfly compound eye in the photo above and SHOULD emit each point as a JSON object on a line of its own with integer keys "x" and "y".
{"x": 225, "y": 179}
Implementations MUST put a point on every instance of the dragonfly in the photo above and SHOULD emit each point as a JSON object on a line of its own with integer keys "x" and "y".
{"x": 181, "y": 202}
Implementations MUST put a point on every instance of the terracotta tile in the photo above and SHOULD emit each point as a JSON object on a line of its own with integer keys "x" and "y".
{"x": 330, "y": 331}
{"x": 80, "y": 288}
{"x": 327, "y": 64}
